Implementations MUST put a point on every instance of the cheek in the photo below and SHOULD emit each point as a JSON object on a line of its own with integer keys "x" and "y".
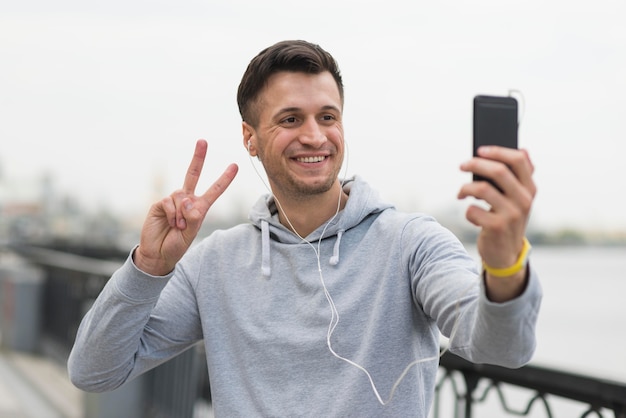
{"x": 273, "y": 145}
{"x": 285, "y": 139}
{"x": 336, "y": 136}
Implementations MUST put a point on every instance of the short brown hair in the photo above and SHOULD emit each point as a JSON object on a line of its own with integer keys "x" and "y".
{"x": 293, "y": 56}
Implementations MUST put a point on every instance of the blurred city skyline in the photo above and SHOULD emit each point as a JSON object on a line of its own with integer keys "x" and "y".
{"x": 107, "y": 101}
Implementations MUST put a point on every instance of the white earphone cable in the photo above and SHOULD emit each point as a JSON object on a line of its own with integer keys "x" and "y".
{"x": 334, "y": 320}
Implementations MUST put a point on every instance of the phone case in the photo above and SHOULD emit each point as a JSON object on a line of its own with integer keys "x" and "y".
{"x": 495, "y": 123}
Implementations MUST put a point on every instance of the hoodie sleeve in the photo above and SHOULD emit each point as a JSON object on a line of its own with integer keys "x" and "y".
{"x": 448, "y": 288}
{"x": 137, "y": 322}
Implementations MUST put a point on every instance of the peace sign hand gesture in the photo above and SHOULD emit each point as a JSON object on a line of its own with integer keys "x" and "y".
{"x": 173, "y": 223}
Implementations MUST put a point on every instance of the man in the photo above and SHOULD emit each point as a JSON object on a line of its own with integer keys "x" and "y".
{"x": 323, "y": 301}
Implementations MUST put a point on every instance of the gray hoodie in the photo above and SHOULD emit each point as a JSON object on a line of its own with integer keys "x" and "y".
{"x": 256, "y": 296}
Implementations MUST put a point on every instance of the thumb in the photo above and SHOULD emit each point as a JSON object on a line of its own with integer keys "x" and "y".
{"x": 194, "y": 214}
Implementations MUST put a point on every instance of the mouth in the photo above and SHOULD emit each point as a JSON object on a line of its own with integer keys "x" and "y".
{"x": 309, "y": 160}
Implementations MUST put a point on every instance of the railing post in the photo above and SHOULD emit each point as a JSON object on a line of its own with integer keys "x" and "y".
{"x": 471, "y": 382}
{"x": 20, "y": 301}
{"x": 126, "y": 401}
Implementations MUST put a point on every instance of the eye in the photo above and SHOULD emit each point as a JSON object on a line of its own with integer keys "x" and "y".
{"x": 289, "y": 120}
{"x": 328, "y": 119}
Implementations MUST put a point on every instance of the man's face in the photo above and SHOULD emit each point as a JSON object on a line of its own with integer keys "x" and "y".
{"x": 299, "y": 136}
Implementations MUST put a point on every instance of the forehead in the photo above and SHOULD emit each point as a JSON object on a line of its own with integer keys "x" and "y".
{"x": 297, "y": 89}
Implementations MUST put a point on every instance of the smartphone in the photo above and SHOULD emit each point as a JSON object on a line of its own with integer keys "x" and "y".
{"x": 495, "y": 123}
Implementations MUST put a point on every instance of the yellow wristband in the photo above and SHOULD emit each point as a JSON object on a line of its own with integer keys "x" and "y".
{"x": 515, "y": 268}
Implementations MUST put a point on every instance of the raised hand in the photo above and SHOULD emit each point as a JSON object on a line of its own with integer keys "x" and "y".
{"x": 503, "y": 225}
{"x": 173, "y": 223}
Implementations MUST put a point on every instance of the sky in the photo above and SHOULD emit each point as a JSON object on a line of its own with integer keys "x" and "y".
{"x": 108, "y": 98}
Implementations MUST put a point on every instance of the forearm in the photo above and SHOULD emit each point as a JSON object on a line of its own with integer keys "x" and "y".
{"x": 103, "y": 356}
{"x": 504, "y": 289}
{"x": 504, "y": 284}
{"x": 504, "y": 333}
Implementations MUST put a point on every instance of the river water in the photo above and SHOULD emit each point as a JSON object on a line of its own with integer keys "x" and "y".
{"x": 582, "y": 323}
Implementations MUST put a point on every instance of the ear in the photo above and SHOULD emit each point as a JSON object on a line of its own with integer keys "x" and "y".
{"x": 249, "y": 138}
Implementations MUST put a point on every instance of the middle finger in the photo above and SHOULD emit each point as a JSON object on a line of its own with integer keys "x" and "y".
{"x": 195, "y": 167}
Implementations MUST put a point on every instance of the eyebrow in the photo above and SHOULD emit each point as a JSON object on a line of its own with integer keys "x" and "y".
{"x": 331, "y": 107}
{"x": 299, "y": 109}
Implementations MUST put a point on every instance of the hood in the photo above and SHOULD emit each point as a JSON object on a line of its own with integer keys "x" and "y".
{"x": 362, "y": 201}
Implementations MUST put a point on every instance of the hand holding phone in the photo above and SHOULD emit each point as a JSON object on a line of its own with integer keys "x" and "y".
{"x": 503, "y": 218}
{"x": 495, "y": 123}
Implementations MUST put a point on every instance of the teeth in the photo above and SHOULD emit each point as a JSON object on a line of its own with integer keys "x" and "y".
{"x": 311, "y": 159}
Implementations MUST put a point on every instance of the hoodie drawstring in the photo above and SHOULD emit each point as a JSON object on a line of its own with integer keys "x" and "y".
{"x": 265, "y": 249}
{"x": 334, "y": 260}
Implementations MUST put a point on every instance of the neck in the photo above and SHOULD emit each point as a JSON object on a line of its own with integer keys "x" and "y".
{"x": 304, "y": 215}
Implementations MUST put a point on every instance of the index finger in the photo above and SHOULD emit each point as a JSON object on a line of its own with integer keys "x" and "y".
{"x": 195, "y": 167}
{"x": 517, "y": 160}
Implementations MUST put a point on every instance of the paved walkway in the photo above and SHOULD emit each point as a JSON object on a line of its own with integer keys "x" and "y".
{"x": 34, "y": 387}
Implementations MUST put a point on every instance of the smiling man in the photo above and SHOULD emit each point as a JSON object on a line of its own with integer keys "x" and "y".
{"x": 329, "y": 302}
{"x": 296, "y": 130}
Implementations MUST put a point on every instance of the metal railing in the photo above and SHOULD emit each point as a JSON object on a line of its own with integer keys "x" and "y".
{"x": 538, "y": 390}
{"x": 72, "y": 282}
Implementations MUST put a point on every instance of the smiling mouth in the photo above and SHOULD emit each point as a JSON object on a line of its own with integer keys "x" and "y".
{"x": 316, "y": 159}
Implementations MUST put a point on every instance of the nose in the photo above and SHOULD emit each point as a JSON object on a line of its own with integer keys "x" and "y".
{"x": 311, "y": 133}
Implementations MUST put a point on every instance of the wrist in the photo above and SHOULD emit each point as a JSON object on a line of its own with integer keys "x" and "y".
{"x": 519, "y": 265}
{"x": 503, "y": 289}
{"x": 148, "y": 265}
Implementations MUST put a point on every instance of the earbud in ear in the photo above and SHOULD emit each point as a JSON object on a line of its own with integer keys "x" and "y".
{"x": 250, "y": 151}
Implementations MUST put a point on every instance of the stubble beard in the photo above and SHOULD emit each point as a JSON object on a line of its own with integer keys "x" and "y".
{"x": 300, "y": 190}
{"x": 290, "y": 186}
